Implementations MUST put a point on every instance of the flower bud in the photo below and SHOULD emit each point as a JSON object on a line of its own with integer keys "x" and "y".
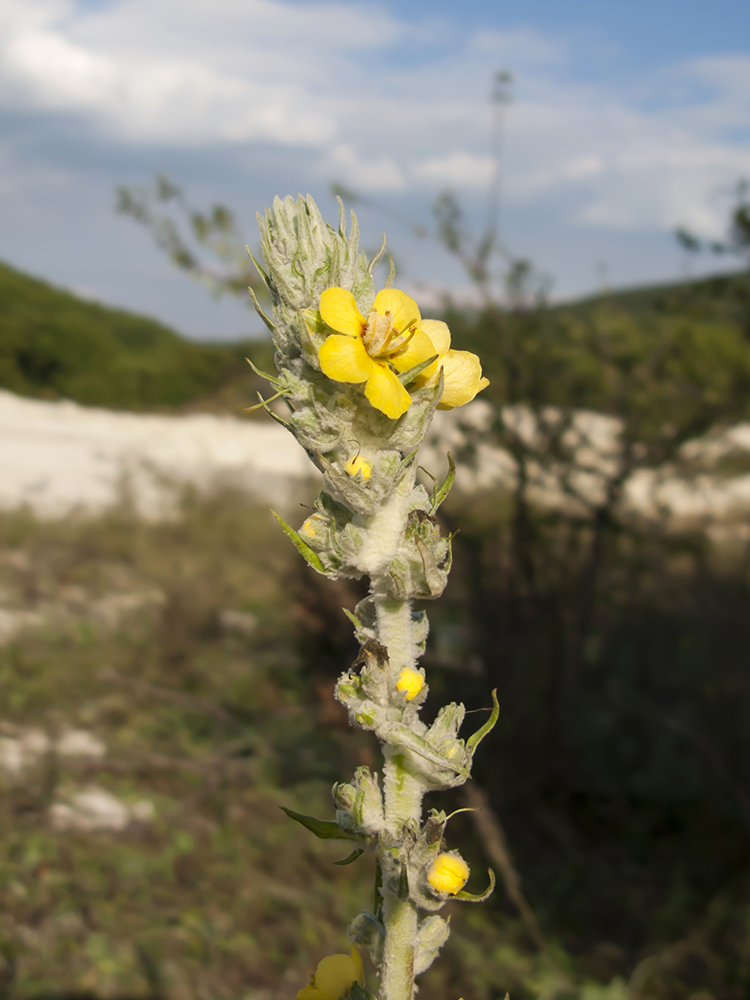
{"x": 448, "y": 873}
{"x": 359, "y": 805}
{"x": 410, "y": 682}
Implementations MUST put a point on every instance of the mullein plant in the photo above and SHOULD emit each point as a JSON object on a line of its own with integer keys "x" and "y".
{"x": 363, "y": 374}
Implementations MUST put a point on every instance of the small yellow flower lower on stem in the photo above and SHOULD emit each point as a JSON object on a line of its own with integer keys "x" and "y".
{"x": 308, "y": 528}
{"x": 334, "y": 977}
{"x": 358, "y": 464}
{"x": 410, "y": 682}
{"x": 448, "y": 873}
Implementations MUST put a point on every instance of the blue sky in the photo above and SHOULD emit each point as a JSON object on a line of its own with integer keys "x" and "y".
{"x": 627, "y": 119}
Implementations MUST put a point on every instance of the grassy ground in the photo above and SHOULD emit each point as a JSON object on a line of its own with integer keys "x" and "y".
{"x": 202, "y": 686}
{"x": 203, "y": 713}
{"x": 201, "y": 655}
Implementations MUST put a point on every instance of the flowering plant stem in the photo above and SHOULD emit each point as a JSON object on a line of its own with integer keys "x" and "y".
{"x": 363, "y": 375}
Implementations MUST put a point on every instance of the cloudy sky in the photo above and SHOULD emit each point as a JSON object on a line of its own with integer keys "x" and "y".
{"x": 626, "y": 120}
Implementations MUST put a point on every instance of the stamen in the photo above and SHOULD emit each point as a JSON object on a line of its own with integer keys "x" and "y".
{"x": 411, "y": 326}
{"x": 405, "y": 342}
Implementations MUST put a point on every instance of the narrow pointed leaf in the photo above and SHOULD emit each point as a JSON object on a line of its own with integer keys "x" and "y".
{"x": 473, "y": 741}
{"x": 470, "y": 897}
{"x": 310, "y": 555}
{"x": 352, "y": 618}
{"x": 263, "y": 276}
{"x": 324, "y": 829}
{"x": 377, "y": 903}
{"x": 377, "y": 259}
{"x": 441, "y": 492}
{"x": 259, "y": 309}
{"x": 259, "y": 371}
{"x": 408, "y": 376}
{"x": 356, "y": 853}
{"x": 403, "y": 883}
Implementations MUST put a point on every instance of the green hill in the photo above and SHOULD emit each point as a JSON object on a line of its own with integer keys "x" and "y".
{"x": 56, "y": 345}
{"x": 719, "y": 297}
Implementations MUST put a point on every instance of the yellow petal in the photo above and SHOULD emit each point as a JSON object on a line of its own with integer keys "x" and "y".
{"x": 463, "y": 379}
{"x": 438, "y": 333}
{"x": 352, "y": 467}
{"x": 339, "y": 310}
{"x": 313, "y": 993}
{"x": 403, "y": 309}
{"x": 386, "y": 393}
{"x": 335, "y": 975}
{"x": 345, "y": 359}
{"x": 419, "y": 349}
{"x": 357, "y": 959}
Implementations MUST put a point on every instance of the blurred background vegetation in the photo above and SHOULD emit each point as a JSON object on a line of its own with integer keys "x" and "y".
{"x": 202, "y": 655}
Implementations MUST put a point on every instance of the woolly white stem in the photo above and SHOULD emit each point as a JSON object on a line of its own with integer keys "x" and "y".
{"x": 402, "y": 791}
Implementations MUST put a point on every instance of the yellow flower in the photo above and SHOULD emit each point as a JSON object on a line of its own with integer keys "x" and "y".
{"x": 363, "y": 350}
{"x": 308, "y": 528}
{"x": 334, "y": 977}
{"x": 462, "y": 370}
{"x": 410, "y": 682}
{"x": 358, "y": 464}
{"x": 449, "y": 873}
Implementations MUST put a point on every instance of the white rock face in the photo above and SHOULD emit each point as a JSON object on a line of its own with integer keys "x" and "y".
{"x": 108, "y": 610}
{"x": 21, "y": 747}
{"x": 687, "y": 494}
{"x": 95, "y": 809}
{"x": 80, "y": 743}
{"x": 58, "y": 457}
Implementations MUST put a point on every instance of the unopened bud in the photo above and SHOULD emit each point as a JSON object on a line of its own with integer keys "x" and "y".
{"x": 449, "y": 873}
{"x": 410, "y": 682}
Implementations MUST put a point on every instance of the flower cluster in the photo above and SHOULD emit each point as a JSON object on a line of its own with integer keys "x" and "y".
{"x": 394, "y": 340}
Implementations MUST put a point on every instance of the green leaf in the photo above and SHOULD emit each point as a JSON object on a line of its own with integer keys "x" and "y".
{"x": 324, "y": 829}
{"x": 441, "y": 492}
{"x": 358, "y": 992}
{"x": 377, "y": 903}
{"x": 273, "y": 379}
{"x": 309, "y": 555}
{"x": 356, "y": 853}
{"x": 258, "y": 308}
{"x": 263, "y": 276}
{"x": 403, "y": 883}
{"x": 352, "y": 618}
{"x": 470, "y": 897}
{"x": 473, "y": 741}
{"x": 408, "y": 376}
{"x": 391, "y": 275}
{"x": 399, "y": 735}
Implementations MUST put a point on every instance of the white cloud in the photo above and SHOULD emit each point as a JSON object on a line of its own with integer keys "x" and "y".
{"x": 458, "y": 169}
{"x": 349, "y": 91}
{"x": 230, "y": 71}
{"x": 379, "y": 173}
